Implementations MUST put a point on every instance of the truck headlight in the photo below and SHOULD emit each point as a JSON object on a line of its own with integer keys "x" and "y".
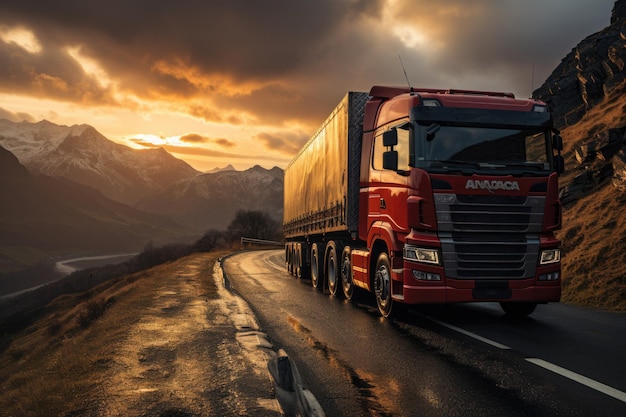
{"x": 550, "y": 256}
{"x": 417, "y": 254}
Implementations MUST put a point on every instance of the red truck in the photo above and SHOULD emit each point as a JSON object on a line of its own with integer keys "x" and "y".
{"x": 429, "y": 196}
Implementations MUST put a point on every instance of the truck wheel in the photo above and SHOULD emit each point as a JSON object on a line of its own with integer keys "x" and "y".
{"x": 346, "y": 273}
{"x": 317, "y": 271}
{"x": 292, "y": 259}
{"x": 305, "y": 269}
{"x": 298, "y": 261}
{"x": 333, "y": 270}
{"x": 518, "y": 310}
{"x": 382, "y": 285}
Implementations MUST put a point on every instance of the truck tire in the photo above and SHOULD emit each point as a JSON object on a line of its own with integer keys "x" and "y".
{"x": 347, "y": 283}
{"x": 287, "y": 256}
{"x": 292, "y": 259}
{"x": 317, "y": 266}
{"x": 298, "y": 261}
{"x": 303, "y": 253}
{"x": 382, "y": 285}
{"x": 333, "y": 268}
{"x": 518, "y": 310}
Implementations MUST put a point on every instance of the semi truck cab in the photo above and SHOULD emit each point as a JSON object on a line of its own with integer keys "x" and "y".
{"x": 459, "y": 193}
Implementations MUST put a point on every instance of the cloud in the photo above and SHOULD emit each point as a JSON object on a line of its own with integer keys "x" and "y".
{"x": 16, "y": 117}
{"x": 194, "y": 138}
{"x": 284, "y": 142}
{"x": 245, "y": 63}
{"x": 225, "y": 142}
{"x": 249, "y": 55}
{"x": 222, "y": 155}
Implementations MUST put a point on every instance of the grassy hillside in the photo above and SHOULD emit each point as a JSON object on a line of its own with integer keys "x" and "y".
{"x": 594, "y": 227}
{"x": 62, "y": 363}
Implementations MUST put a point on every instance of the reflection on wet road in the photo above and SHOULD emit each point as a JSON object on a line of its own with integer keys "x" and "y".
{"x": 434, "y": 360}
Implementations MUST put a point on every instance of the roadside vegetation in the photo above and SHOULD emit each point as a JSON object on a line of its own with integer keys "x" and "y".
{"x": 19, "y": 312}
{"x": 52, "y": 339}
{"x": 60, "y": 363}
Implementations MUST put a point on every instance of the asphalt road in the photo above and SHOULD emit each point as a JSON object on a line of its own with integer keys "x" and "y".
{"x": 458, "y": 360}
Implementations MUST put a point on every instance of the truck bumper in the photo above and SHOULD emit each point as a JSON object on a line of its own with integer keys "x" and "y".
{"x": 448, "y": 290}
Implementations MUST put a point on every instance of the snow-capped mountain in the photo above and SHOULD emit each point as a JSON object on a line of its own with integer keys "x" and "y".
{"x": 54, "y": 214}
{"x": 150, "y": 180}
{"x": 28, "y": 140}
{"x": 81, "y": 154}
{"x": 211, "y": 200}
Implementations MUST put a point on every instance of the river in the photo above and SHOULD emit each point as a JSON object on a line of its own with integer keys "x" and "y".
{"x": 68, "y": 266}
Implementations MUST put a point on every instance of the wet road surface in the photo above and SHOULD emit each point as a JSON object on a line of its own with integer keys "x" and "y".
{"x": 460, "y": 360}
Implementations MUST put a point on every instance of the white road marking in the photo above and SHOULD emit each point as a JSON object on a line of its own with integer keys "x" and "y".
{"x": 598, "y": 386}
{"x": 588, "y": 382}
{"x": 273, "y": 265}
{"x": 470, "y": 334}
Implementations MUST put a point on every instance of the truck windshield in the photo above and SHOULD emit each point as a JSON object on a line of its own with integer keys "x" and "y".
{"x": 445, "y": 148}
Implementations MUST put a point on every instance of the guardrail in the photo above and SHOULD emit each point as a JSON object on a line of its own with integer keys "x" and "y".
{"x": 260, "y": 242}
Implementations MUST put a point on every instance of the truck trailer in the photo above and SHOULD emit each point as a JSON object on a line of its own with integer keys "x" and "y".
{"x": 429, "y": 196}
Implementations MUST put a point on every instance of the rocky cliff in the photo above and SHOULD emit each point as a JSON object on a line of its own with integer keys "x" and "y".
{"x": 594, "y": 70}
{"x": 587, "y": 95}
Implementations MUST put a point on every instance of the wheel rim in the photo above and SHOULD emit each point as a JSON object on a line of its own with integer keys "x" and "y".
{"x": 346, "y": 275}
{"x": 332, "y": 272}
{"x": 298, "y": 268}
{"x": 382, "y": 289}
{"x": 315, "y": 278}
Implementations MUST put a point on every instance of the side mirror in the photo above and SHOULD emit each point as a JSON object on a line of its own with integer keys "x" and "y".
{"x": 390, "y": 160}
{"x": 390, "y": 138}
{"x": 557, "y": 143}
{"x": 559, "y": 164}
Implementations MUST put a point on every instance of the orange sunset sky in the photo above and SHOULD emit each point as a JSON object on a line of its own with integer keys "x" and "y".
{"x": 247, "y": 82}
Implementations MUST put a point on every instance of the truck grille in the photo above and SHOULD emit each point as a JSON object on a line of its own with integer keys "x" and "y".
{"x": 489, "y": 237}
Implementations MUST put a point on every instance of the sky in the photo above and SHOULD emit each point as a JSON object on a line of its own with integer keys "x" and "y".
{"x": 248, "y": 82}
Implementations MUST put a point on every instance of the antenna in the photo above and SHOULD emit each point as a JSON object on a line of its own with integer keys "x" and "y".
{"x": 405, "y": 76}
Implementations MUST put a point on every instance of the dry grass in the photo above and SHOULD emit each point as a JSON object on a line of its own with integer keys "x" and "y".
{"x": 59, "y": 362}
{"x": 594, "y": 228}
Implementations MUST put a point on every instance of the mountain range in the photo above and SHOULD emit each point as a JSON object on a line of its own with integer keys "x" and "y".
{"x": 81, "y": 154}
{"x": 208, "y": 201}
{"x": 55, "y": 214}
{"x": 70, "y": 189}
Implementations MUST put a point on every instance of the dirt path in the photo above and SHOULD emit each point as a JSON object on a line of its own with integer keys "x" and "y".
{"x": 183, "y": 357}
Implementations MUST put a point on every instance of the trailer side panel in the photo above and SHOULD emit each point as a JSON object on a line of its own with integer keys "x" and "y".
{"x": 322, "y": 181}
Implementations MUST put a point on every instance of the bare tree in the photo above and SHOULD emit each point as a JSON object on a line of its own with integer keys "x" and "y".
{"x": 254, "y": 224}
{"x": 211, "y": 240}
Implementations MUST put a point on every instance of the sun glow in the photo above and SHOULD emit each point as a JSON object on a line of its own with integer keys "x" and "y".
{"x": 22, "y": 37}
{"x": 409, "y": 36}
{"x": 90, "y": 66}
{"x": 154, "y": 141}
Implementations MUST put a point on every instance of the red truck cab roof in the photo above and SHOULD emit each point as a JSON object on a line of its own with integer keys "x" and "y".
{"x": 394, "y": 102}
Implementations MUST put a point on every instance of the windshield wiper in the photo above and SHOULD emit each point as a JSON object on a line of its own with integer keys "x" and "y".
{"x": 501, "y": 168}
{"x": 464, "y": 167}
{"x": 533, "y": 169}
{"x": 536, "y": 166}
